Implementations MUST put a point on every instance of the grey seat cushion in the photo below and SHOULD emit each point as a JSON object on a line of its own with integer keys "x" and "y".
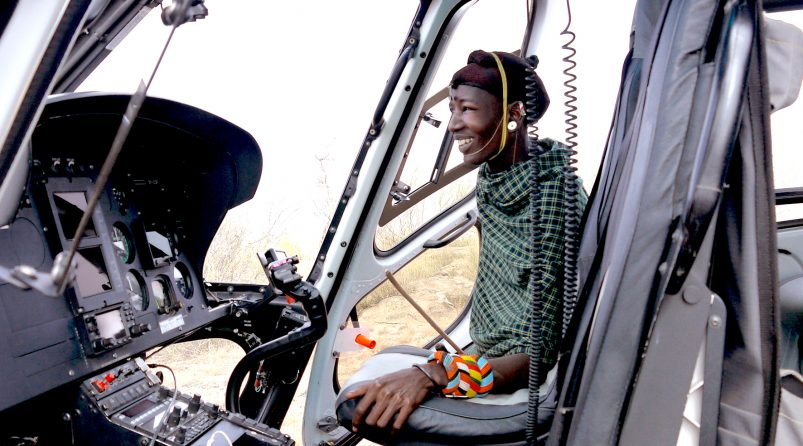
{"x": 497, "y": 419}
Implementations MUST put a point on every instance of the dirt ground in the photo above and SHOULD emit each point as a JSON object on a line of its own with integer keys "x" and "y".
{"x": 203, "y": 367}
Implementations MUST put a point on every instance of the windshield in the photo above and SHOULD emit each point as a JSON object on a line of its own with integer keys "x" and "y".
{"x": 305, "y": 86}
{"x": 273, "y": 69}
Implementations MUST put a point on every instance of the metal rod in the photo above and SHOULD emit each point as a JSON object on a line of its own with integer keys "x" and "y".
{"x": 422, "y": 312}
{"x": 130, "y": 115}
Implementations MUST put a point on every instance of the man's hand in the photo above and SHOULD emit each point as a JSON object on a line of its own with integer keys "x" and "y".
{"x": 397, "y": 394}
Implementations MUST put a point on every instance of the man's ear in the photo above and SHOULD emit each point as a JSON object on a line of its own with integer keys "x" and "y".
{"x": 516, "y": 111}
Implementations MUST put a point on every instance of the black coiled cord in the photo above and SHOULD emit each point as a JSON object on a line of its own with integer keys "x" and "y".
{"x": 532, "y": 106}
{"x": 568, "y": 84}
{"x": 532, "y": 112}
{"x": 572, "y": 217}
{"x": 573, "y": 213}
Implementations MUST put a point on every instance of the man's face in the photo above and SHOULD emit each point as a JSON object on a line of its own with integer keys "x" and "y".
{"x": 475, "y": 123}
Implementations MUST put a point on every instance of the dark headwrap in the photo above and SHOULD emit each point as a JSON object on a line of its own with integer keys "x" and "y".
{"x": 482, "y": 72}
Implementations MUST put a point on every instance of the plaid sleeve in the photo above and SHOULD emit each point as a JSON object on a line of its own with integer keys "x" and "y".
{"x": 549, "y": 257}
{"x": 550, "y": 252}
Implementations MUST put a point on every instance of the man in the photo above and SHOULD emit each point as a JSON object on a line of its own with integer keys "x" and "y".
{"x": 487, "y": 99}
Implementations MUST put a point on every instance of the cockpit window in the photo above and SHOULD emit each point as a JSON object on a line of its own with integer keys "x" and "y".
{"x": 433, "y": 177}
{"x": 261, "y": 66}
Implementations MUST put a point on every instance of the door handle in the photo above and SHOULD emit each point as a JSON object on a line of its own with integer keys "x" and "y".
{"x": 454, "y": 234}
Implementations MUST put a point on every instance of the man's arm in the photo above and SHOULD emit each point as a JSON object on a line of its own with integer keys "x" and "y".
{"x": 510, "y": 372}
{"x": 400, "y": 393}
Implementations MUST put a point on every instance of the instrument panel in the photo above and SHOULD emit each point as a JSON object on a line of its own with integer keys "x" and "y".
{"x": 132, "y": 275}
{"x": 138, "y": 280}
{"x": 132, "y": 407}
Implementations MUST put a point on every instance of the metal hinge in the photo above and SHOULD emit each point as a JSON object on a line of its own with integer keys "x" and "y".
{"x": 328, "y": 424}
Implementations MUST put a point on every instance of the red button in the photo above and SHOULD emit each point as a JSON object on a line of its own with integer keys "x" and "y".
{"x": 100, "y": 385}
{"x": 109, "y": 377}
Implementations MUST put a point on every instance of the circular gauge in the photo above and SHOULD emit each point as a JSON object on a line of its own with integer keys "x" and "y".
{"x": 183, "y": 280}
{"x": 123, "y": 243}
{"x": 160, "y": 290}
{"x": 136, "y": 290}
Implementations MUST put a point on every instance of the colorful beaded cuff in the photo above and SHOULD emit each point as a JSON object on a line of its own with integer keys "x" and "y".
{"x": 469, "y": 376}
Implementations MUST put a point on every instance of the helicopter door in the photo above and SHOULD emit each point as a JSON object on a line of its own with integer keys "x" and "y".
{"x": 421, "y": 223}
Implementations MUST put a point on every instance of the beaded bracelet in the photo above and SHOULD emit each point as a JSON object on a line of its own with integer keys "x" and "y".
{"x": 469, "y": 376}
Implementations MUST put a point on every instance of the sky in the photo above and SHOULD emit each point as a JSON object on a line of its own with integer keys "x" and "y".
{"x": 304, "y": 78}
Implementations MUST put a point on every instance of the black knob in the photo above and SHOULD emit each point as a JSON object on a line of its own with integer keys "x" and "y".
{"x": 181, "y": 435}
{"x": 195, "y": 403}
{"x": 174, "y": 417}
{"x": 139, "y": 329}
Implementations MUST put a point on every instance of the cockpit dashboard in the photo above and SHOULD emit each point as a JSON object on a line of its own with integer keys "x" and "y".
{"x": 140, "y": 259}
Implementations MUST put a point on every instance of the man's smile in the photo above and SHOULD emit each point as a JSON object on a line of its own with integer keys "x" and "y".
{"x": 463, "y": 142}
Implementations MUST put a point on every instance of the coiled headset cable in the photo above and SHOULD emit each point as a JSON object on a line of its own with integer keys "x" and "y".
{"x": 532, "y": 108}
{"x": 572, "y": 217}
{"x": 573, "y": 212}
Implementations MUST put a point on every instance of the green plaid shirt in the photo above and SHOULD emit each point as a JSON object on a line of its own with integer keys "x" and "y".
{"x": 500, "y": 319}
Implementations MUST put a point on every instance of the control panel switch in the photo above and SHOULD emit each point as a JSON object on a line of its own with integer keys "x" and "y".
{"x": 174, "y": 417}
{"x": 181, "y": 435}
{"x": 140, "y": 329}
{"x": 195, "y": 403}
{"x": 99, "y": 385}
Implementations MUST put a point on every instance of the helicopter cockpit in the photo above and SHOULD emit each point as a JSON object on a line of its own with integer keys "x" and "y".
{"x": 110, "y": 204}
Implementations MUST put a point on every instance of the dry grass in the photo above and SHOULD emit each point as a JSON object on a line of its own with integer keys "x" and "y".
{"x": 459, "y": 259}
{"x": 440, "y": 281}
{"x": 201, "y": 367}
